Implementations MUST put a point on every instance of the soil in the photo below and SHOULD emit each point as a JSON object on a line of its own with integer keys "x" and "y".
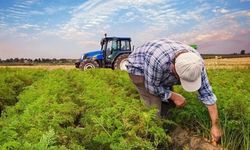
{"x": 184, "y": 140}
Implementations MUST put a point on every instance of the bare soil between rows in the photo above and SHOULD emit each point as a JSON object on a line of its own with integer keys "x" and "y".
{"x": 185, "y": 140}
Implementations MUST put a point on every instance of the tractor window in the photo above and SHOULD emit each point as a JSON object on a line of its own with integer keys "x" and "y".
{"x": 114, "y": 45}
{"x": 125, "y": 46}
{"x": 111, "y": 47}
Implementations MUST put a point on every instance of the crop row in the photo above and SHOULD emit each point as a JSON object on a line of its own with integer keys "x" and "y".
{"x": 13, "y": 82}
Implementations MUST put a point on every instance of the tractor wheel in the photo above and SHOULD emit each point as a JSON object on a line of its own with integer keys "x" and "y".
{"x": 88, "y": 64}
{"x": 120, "y": 62}
{"x": 77, "y": 64}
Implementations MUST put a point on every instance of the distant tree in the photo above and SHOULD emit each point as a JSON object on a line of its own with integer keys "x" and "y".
{"x": 30, "y": 60}
{"x": 16, "y": 60}
{"x": 43, "y": 60}
{"x": 243, "y": 52}
{"x": 21, "y": 60}
{"x": 63, "y": 60}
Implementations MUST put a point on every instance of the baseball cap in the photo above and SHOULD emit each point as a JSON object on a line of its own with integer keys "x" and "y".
{"x": 188, "y": 67}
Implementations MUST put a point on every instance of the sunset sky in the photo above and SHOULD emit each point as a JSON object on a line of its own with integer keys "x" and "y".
{"x": 68, "y": 28}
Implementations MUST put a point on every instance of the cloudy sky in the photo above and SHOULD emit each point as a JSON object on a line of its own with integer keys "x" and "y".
{"x": 67, "y": 28}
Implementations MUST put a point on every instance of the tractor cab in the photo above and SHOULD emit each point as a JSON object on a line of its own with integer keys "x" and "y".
{"x": 112, "y": 47}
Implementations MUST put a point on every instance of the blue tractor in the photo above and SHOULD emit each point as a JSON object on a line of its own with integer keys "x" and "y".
{"x": 113, "y": 54}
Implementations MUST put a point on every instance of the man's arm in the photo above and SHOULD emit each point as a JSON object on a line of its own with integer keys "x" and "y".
{"x": 207, "y": 96}
{"x": 215, "y": 129}
{"x": 178, "y": 99}
{"x": 213, "y": 112}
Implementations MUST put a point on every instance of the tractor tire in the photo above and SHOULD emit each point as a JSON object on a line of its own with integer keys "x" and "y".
{"x": 120, "y": 62}
{"x": 77, "y": 64}
{"x": 89, "y": 64}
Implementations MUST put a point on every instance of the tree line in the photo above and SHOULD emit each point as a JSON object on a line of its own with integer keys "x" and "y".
{"x": 37, "y": 60}
{"x": 242, "y": 53}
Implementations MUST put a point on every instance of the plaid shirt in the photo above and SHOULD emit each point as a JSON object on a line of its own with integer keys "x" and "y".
{"x": 154, "y": 61}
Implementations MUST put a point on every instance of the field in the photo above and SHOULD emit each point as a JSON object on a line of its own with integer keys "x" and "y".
{"x": 100, "y": 109}
{"x": 225, "y": 63}
{"x": 228, "y": 63}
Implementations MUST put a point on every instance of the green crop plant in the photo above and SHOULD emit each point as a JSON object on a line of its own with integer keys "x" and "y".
{"x": 78, "y": 110}
{"x": 232, "y": 88}
{"x": 120, "y": 121}
{"x": 41, "y": 106}
{"x": 101, "y": 109}
{"x": 13, "y": 82}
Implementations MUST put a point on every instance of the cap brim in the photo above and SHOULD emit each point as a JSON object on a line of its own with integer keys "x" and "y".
{"x": 191, "y": 86}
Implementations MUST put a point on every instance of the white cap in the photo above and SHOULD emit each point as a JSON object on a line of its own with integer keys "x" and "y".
{"x": 188, "y": 67}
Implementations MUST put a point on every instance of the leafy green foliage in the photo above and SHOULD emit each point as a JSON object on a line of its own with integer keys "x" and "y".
{"x": 77, "y": 110}
{"x": 100, "y": 109}
{"x": 13, "y": 82}
{"x": 234, "y": 105}
{"x": 232, "y": 88}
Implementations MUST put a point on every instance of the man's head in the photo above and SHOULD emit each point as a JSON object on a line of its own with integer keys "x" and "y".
{"x": 188, "y": 66}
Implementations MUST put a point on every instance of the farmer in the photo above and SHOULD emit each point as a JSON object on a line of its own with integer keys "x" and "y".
{"x": 156, "y": 66}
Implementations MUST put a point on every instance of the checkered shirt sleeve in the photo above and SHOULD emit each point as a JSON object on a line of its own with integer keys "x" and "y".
{"x": 206, "y": 94}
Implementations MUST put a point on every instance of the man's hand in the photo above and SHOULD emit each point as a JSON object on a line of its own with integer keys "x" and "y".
{"x": 215, "y": 134}
{"x": 178, "y": 99}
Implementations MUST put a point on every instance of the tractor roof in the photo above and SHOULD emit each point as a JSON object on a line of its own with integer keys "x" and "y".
{"x": 119, "y": 38}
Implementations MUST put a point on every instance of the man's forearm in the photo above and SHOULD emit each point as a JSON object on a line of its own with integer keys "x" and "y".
{"x": 213, "y": 112}
{"x": 215, "y": 128}
{"x": 178, "y": 99}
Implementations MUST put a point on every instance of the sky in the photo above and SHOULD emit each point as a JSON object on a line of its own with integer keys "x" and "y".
{"x": 68, "y": 28}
